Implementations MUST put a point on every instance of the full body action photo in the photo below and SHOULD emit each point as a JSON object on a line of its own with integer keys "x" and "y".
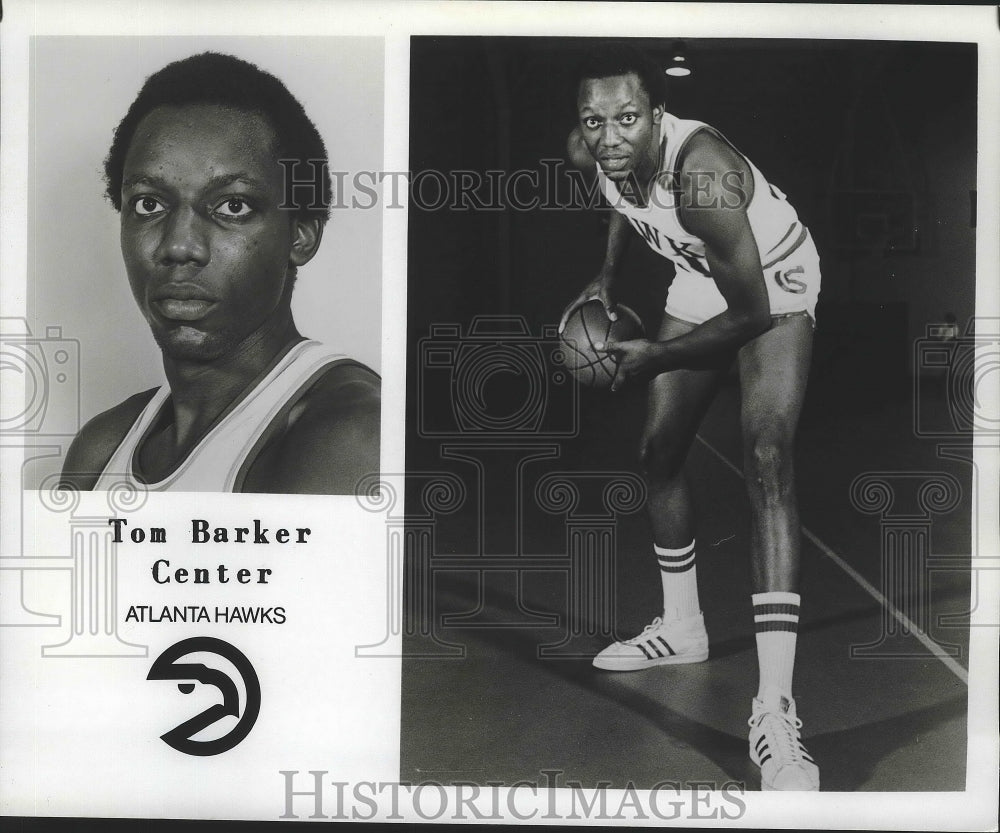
{"x": 745, "y": 289}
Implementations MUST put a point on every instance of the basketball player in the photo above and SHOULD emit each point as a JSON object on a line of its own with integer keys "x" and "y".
{"x": 211, "y": 246}
{"x": 746, "y": 284}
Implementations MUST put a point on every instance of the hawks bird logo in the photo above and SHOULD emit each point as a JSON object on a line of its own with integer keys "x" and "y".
{"x": 167, "y": 667}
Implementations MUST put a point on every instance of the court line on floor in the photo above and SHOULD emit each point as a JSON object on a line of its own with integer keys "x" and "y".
{"x": 935, "y": 649}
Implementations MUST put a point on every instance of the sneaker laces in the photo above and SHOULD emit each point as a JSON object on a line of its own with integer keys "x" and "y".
{"x": 652, "y": 626}
{"x": 785, "y": 732}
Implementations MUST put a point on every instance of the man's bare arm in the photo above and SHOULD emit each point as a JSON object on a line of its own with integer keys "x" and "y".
{"x": 91, "y": 449}
{"x": 331, "y": 444}
{"x": 602, "y": 286}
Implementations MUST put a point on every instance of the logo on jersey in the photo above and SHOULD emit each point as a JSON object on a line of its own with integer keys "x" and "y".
{"x": 649, "y": 233}
{"x": 168, "y": 667}
{"x": 784, "y": 279}
{"x": 682, "y": 253}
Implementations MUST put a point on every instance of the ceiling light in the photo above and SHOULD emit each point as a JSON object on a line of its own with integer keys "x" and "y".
{"x": 678, "y": 66}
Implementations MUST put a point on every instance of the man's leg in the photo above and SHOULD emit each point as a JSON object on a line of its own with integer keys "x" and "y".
{"x": 677, "y": 402}
{"x": 774, "y": 369}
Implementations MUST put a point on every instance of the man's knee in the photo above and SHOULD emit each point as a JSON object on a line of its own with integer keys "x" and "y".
{"x": 769, "y": 463}
{"x": 660, "y": 458}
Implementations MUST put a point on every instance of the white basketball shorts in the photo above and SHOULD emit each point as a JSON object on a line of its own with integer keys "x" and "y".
{"x": 792, "y": 287}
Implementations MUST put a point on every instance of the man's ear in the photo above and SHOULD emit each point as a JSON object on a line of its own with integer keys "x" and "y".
{"x": 657, "y": 113}
{"x": 307, "y": 235}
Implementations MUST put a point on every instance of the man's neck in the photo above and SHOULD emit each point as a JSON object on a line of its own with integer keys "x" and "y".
{"x": 201, "y": 391}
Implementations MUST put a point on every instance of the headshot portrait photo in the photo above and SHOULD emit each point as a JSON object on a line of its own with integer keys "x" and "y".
{"x": 98, "y": 350}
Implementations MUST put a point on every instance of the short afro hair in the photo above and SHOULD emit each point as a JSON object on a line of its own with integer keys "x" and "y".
{"x": 213, "y": 78}
{"x": 619, "y": 58}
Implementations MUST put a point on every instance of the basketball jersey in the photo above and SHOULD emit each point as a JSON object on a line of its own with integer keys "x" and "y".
{"x": 219, "y": 462}
{"x": 775, "y": 225}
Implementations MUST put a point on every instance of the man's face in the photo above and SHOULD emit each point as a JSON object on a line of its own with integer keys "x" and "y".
{"x": 207, "y": 251}
{"x": 619, "y": 126}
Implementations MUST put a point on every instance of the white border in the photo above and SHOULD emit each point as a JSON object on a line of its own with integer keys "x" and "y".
{"x": 974, "y": 809}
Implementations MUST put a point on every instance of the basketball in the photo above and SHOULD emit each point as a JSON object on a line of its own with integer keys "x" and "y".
{"x": 588, "y": 325}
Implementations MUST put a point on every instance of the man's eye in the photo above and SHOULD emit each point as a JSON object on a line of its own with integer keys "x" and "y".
{"x": 145, "y": 206}
{"x": 628, "y": 119}
{"x": 233, "y": 207}
{"x": 591, "y": 123}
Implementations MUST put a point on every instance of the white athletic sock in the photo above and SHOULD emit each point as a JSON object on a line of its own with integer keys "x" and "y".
{"x": 680, "y": 582}
{"x": 776, "y": 624}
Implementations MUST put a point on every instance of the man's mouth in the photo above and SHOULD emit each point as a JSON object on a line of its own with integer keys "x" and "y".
{"x": 179, "y": 309}
{"x": 182, "y": 302}
{"x": 614, "y": 163}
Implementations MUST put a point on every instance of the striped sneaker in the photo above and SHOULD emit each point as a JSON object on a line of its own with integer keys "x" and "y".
{"x": 660, "y": 643}
{"x": 776, "y": 748}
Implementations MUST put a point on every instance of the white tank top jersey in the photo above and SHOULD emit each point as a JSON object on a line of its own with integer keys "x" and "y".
{"x": 220, "y": 461}
{"x": 776, "y": 226}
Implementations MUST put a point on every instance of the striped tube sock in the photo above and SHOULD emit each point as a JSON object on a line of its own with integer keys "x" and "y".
{"x": 680, "y": 582}
{"x": 776, "y": 624}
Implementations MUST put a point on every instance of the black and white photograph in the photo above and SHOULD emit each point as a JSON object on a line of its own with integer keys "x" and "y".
{"x": 490, "y": 412}
{"x": 198, "y": 357}
{"x": 706, "y": 309}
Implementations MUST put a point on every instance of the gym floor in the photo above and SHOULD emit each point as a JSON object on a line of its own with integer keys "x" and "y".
{"x": 873, "y": 721}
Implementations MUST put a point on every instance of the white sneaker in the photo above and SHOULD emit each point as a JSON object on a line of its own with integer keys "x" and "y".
{"x": 660, "y": 643}
{"x": 776, "y": 748}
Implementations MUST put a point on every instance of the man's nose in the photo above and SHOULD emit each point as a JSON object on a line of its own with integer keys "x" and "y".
{"x": 184, "y": 238}
{"x": 611, "y": 135}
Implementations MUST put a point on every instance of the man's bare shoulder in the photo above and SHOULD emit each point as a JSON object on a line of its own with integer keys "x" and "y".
{"x": 345, "y": 404}
{"x": 707, "y": 150}
{"x": 710, "y": 165}
{"x": 332, "y": 438}
{"x": 576, "y": 151}
{"x": 93, "y": 446}
{"x": 716, "y": 186}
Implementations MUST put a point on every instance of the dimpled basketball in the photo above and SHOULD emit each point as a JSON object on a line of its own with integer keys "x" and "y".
{"x": 588, "y": 325}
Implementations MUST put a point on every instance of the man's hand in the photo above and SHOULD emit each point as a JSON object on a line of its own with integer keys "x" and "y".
{"x": 597, "y": 290}
{"x": 639, "y": 360}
